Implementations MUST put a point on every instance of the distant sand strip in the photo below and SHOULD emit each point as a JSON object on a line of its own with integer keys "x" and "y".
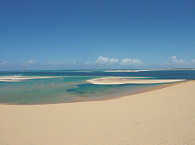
{"x": 130, "y": 80}
{"x": 21, "y": 78}
{"x": 125, "y": 70}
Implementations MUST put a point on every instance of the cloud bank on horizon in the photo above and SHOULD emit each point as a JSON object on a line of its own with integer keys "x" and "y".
{"x": 110, "y": 61}
{"x": 175, "y": 60}
{"x": 106, "y": 60}
{"x": 100, "y": 61}
{"x": 179, "y": 61}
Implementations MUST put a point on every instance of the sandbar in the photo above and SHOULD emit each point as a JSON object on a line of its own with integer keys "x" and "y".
{"x": 130, "y": 80}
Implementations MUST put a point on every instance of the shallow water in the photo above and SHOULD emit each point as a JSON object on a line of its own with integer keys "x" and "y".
{"x": 72, "y": 86}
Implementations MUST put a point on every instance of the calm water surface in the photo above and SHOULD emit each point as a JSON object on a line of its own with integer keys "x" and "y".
{"x": 71, "y": 86}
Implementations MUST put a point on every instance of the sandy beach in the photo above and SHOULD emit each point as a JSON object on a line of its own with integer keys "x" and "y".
{"x": 130, "y": 80}
{"x": 160, "y": 117}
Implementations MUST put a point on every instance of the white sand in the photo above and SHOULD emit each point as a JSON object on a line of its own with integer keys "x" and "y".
{"x": 21, "y": 78}
{"x": 125, "y": 70}
{"x": 130, "y": 80}
{"x": 160, "y": 117}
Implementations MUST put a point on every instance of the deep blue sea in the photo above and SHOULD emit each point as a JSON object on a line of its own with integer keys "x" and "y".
{"x": 71, "y": 86}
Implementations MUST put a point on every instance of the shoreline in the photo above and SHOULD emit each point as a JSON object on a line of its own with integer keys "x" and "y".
{"x": 126, "y": 94}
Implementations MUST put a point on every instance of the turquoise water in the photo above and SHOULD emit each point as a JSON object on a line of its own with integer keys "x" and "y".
{"x": 59, "y": 90}
{"x": 71, "y": 86}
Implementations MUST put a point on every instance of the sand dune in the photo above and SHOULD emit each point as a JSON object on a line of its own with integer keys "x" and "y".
{"x": 160, "y": 117}
{"x": 130, "y": 80}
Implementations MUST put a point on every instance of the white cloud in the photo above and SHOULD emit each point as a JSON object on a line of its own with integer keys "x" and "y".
{"x": 125, "y": 61}
{"x": 175, "y": 60}
{"x": 30, "y": 61}
{"x": 130, "y": 61}
{"x": 113, "y": 60}
{"x": 106, "y": 60}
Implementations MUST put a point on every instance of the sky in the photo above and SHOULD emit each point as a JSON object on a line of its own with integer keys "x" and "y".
{"x": 65, "y": 34}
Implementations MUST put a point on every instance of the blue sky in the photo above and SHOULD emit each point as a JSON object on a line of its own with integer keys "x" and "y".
{"x": 96, "y": 33}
